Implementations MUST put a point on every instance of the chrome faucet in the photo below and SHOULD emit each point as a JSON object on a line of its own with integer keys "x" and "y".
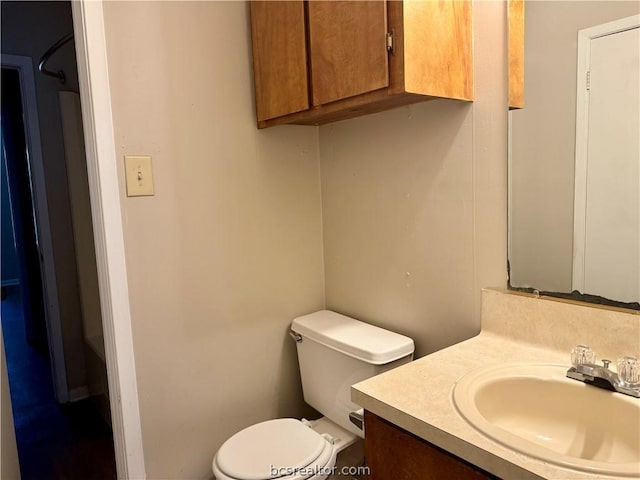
{"x": 584, "y": 369}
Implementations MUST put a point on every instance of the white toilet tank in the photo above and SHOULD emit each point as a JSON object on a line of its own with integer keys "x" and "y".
{"x": 335, "y": 352}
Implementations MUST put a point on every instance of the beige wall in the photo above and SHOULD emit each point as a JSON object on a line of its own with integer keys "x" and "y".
{"x": 414, "y": 205}
{"x": 229, "y": 250}
{"x": 397, "y": 193}
{"x": 543, "y": 141}
{"x": 29, "y": 29}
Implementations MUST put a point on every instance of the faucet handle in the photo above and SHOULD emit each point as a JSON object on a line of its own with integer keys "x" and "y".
{"x": 629, "y": 370}
{"x": 582, "y": 354}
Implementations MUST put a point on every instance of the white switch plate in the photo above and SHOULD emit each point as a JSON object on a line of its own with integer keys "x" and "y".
{"x": 139, "y": 175}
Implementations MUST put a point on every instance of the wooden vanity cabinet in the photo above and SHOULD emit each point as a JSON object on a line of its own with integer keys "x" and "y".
{"x": 391, "y": 452}
{"x": 318, "y": 61}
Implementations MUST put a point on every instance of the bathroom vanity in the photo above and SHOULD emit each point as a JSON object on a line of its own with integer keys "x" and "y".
{"x": 414, "y": 426}
{"x": 393, "y": 452}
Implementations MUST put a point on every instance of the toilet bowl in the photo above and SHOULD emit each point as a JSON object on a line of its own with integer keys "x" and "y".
{"x": 334, "y": 352}
{"x": 285, "y": 448}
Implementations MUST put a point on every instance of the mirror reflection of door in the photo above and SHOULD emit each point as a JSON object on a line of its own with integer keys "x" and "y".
{"x": 607, "y": 191}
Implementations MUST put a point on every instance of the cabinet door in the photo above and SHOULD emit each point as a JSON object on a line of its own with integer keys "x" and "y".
{"x": 279, "y": 58}
{"x": 438, "y": 51}
{"x": 347, "y": 45}
{"x": 391, "y": 452}
{"x": 516, "y": 53}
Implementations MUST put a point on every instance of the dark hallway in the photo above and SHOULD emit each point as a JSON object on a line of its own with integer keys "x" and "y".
{"x": 51, "y": 315}
{"x": 69, "y": 441}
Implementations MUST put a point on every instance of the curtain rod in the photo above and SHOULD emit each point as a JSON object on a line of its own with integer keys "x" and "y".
{"x": 54, "y": 48}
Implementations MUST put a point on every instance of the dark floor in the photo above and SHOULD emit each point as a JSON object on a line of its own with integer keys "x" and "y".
{"x": 55, "y": 442}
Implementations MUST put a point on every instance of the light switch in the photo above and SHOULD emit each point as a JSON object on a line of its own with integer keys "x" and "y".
{"x": 139, "y": 175}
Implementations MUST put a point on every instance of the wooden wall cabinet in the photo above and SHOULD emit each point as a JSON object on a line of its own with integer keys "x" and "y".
{"x": 391, "y": 452}
{"x": 318, "y": 61}
{"x": 515, "y": 14}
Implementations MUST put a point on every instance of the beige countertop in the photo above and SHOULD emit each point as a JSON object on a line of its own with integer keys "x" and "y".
{"x": 515, "y": 329}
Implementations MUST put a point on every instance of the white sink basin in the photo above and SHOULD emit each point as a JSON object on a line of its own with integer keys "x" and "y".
{"x": 536, "y": 410}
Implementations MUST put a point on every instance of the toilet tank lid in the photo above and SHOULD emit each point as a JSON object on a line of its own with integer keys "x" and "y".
{"x": 357, "y": 339}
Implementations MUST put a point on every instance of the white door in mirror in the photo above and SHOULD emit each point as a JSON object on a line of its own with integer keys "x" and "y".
{"x": 607, "y": 189}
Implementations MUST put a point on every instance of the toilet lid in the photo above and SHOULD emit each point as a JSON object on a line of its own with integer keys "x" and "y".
{"x": 270, "y": 449}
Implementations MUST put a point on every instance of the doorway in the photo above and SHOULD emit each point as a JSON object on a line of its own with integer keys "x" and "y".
{"x": 60, "y": 429}
{"x": 607, "y": 180}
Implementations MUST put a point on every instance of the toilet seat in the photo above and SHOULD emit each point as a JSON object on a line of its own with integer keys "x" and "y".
{"x": 284, "y": 448}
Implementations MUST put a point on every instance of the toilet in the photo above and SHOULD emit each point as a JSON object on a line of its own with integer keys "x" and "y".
{"x": 334, "y": 352}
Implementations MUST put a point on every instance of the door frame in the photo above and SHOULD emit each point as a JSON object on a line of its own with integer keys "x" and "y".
{"x": 582, "y": 137}
{"x": 25, "y": 68}
{"x": 93, "y": 77}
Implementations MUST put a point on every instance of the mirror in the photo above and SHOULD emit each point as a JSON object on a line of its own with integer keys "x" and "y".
{"x": 574, "y": 159}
